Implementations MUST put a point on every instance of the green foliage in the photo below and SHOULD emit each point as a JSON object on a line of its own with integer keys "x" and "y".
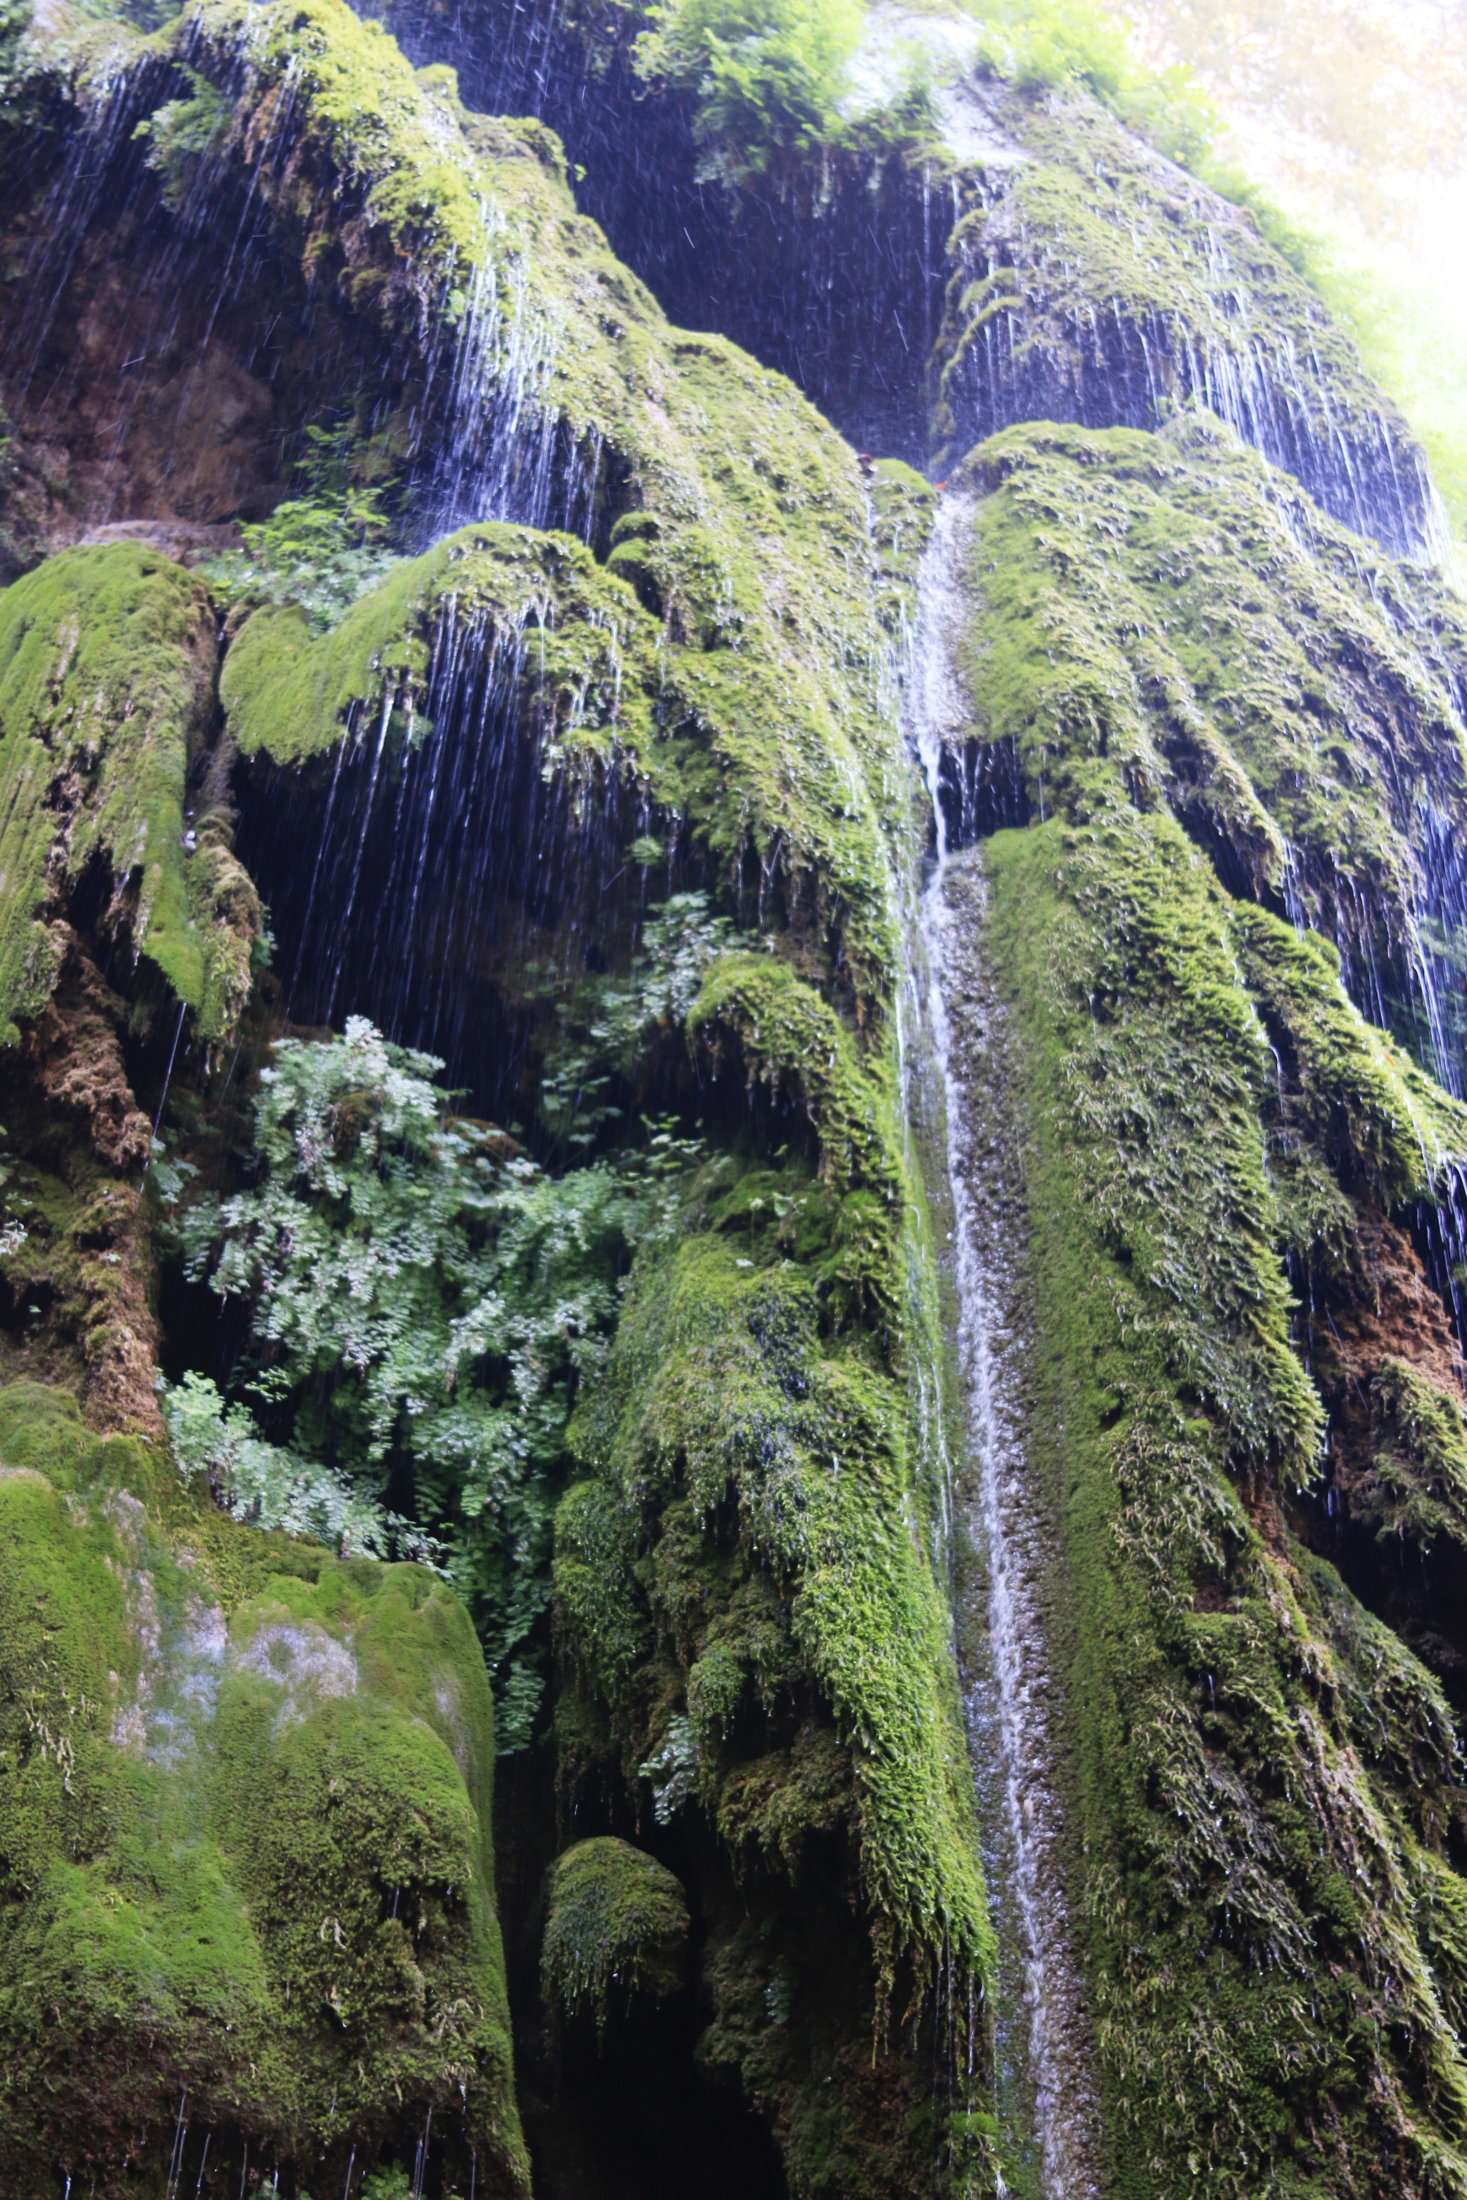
{"x": 1051, "y": 44}
{"x": 616, "y": 1930}
{"x": 272, "y": 1487}
{"x": 681, "y": 938}
{"x": 423, "y": 1303}
{"x": 15, "y": 18}
{"x": 769, "y": 75}
{"x": 181, "y": 134}
{"x": 1418, "y": 1489}
{"x": 321, "y": 550}
{"x": 388, "y": 2184}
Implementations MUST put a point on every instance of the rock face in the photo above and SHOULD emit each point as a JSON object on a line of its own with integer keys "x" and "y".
{"x": 248, "y": 1878}
{"x": 603, "y": 789}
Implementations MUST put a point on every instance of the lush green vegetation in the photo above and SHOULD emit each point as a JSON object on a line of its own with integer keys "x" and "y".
{"x": 616, "y": 1929}
{"x": 768, "y": 75}
{"x": 1259, "y": 1766}
{"x": 423, "y": 1302}
{"x": 321, "y": 550}
{"x": 106, "y": 677}
{"x": 771, "y": 85}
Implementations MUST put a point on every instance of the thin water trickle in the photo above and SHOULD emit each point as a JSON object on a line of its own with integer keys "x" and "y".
{"x": 1005, "y": 1557}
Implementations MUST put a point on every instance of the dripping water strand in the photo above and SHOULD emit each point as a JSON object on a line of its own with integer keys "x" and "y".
{"x": 1043, "y": 2053}
{"x": 167, "y": 1081}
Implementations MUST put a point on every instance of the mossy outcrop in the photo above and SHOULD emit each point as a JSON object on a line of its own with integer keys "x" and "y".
{"x": 245, "y": 1836}
{"x": 716, "y": 658}
{"x": 107, "y": 666}
{"x": 1257, "y": 1763}
{"x": 1167, "y": 617}
{"x": 248, "y": 1833}
{"x": 1095, "y": 282}
{"x": 616, "y": 1929}
{"x": 734, "y": 511}
{"x": 1224, "y": 1804}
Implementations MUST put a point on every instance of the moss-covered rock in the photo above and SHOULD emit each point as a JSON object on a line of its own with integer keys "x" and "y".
{"x": 1243, "y": 1885}
{"x": 1093, "y": 281}
{"x": 616, "y": 1930}
{"x": 106, "y": 692}
{"x": 540, "y": 381}
{"x": 578, "y": 648}
{"x": 1419, "y": 1487}
{"x": 1256, "y": 1762}
{"x": 244, "y": 1836}
{"x": 722, "y": 1394}
{"x": 1166, "y": 623}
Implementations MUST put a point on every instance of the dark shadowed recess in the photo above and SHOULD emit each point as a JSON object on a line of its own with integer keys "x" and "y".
{"x": 981, "y": 789}
{"x": 638, "y": 2113}
{"x": 836, "y": 282}
{"x": 159, "y": 365}
{"x": 1127, "y": 371}
{"x": 447, "y": 893}
{"x": 469, "y": 906}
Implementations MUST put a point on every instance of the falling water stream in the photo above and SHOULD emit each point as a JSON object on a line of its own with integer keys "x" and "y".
{"x": 459, "y": 840}
{"x": 1004, "y": 1540}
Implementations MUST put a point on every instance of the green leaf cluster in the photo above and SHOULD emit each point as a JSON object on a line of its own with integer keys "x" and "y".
{"x": 423, "y": 1302}
{"x": 681, "y": 940}
{"x": 271, "y": 1486}
{"x": 321, "y": 550}
{"x": 1056, "y": 44}
{"x": 182, "y": 133}
{"x": 771, "y": 78}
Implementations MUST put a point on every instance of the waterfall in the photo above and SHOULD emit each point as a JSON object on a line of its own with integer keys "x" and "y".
{"x": 1005, "y": 1561}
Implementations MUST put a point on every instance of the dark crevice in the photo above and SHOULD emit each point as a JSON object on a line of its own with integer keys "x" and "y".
{"x": 981, "y": 789}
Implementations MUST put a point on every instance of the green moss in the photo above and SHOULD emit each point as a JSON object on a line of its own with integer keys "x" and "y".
{"x": 729, "y": 661}
{"x": 1220, "y": 705}
{"x": 1357, "y": 1095}
{"x": 744, "y": 526}
{"x": 106, "y": 663}
{"x": 1091, "y": 275}
{"x": 1158, "y": 1054}
{"x": 721, "y": 1393}
{"x": 1418, "y": 1489}
{"x": 789, "y": 1035}
{"x": 583, "y": 652}
{"x": 1248, "y": 1746}
{"x": 616, "y": 1930}
{"x": 373, "y": 128}
{"x": 1441, "y": 1923}
{"x": 211, "y": 1738}
{"x": 1168, "y": 624}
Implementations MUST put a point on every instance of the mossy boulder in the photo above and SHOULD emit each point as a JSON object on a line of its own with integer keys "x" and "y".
{"x": 244, "y": 1844}
{"x": 1228, "y": 725}
{"x": 1253, "y": 1757}
{"x": 107, "y": 662}
{"x": 723, "y": 1404}
{"x": 616, "y": 1930}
